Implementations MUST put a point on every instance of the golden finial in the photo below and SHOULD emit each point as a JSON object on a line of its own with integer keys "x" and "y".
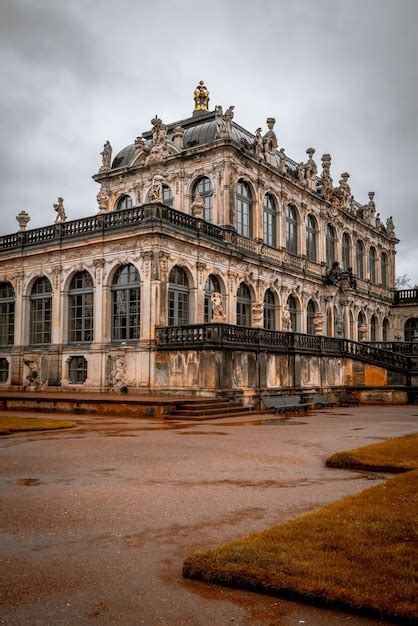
{"x": 201, "y": 97}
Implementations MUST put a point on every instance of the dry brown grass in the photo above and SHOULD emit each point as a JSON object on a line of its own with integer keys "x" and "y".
{"x": 358, "y": 552}
{"x": 13, "y": 424}
{"x": 394, "y": 455}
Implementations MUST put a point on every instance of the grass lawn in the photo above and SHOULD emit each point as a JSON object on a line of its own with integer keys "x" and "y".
{"x": 12, "y": 424}
{"x": 358, "y": 553}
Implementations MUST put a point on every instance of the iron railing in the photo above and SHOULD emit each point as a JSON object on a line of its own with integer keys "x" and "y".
{"x": 212, "y": 336}
{"x": 406, "y": 296}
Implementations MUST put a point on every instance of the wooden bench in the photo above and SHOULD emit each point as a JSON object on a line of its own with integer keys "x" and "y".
{"x": 320, "y": 400}
{"x": 282, "y": 404}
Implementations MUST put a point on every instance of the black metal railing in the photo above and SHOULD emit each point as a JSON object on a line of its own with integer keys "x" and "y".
{"x": 402, "y": 347}
{"x": 209, "y": 336}
{"x": 406, "y": 296}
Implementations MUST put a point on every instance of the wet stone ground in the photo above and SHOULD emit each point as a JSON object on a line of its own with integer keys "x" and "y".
{"x": 96, "y": 521}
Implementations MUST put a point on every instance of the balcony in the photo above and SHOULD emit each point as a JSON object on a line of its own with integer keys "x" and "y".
{"x": 406, "y": 296}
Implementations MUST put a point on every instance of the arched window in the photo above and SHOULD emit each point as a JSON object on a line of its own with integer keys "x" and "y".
{"x": 269, "y": 220}
{"x": 168, "y": 198}
{"x": 361, "y": 320}
{"x": 360, "y": 259}
{"x": 124, "y": 202}
{"x": 244, "y": 209}
{"x": 81, "y": 314}
{"x": 311, "y": 238}
{"x": 411, "y": 327}
{"x": 339, "y": 326}
{"x": 385, "y": 329}
{"x": 291, "y": 303}
{"x": 178, "y": 297}
{"x": 203, "y": 186}
{"x": 330, "y": 245}
{"x": 7, "y": 314}
{"x": 291, "y": 229}
{"x": 126, "y": 304}
{"x": 4, "y": 370}
{"x": 211, "y": 286}
{"x": 40, "y": 312}
{"x": 269, "y": 311}
{"x": 384, "y": 269}
{"x": 372, "y": 265}
{"x": 346, "y": 252}
{"x": 243, "y": 305}
{"x": 373, "y": 328}
{"x": 310, "y": 316}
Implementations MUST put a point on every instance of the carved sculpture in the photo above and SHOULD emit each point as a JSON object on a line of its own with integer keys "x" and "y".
{"x": 390, "y": 227}
{"x": 369, "y": 210}
{"x": 362, "y": 329}
{"x": 217, "y": 307}
{"x": 310, "y": 167}
{"x": 326, "y": 177}
{"x": 318, "y": 323}
{"x": 270, "y": 139}
{"x": 103, "y": 201}
{"x": 23, "y": 219}
{"x": 60, "y": 211}
{"x": 352, "y": 281}
{"x": 333, "y": 274}
{"x": 286, "y": 319}
{"x": 282, "y": 161}
{"x": 156, "y": 191}
{"x": 301, "y": 172}
{"x": 33, "y": 376}
{"x": 257, "y": 310}
{"x": 106, "y": 155}
{"x": 343, "y": 191}
{"x": 178, "y": 137}
{"x": 201, "y": 97}
{"x": 258, "y": 144}
{"x": 223, "y": 121}
{"x": 339, "y": 326}
{"x": 117, "y": 378}
{"x": 159, "y": 150}
{"x": 198, "y": 205}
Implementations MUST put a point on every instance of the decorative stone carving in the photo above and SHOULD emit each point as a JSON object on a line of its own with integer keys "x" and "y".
{"x": 270, "y": 139}
{"x": 258, "y": 144}
{"x": 282, "y": 161}
{"x": 362, "y": 329}
{"x": 106, "y": 155}
{"x": 286, "y": 319}
{"x": 117, "y": 373}
{"x": 339, "y": 326}
{"x": 318, "y": 323}
{"x": 311, "y": 167}
{"x": 102, "y": 201}
{"x": 23, "y": 219}
{"x": 60, "y": 211}
{"x": 159, "y": 151}
{"x": 156, "y": 191}
{"x": 178, "y": 137}
{"x": 326, "y": 177}
{"x": 198, "y": 205}
{"x": 223, "y": 121}
{"x": 33, "y": 375}
{"x": 201, "y": 97}
{"x": 301, "y": 172}
{"x": 99, "y": 265}
{"x": 257, "y": 314}
{"x": 343, "y": 191}
{"x": 218, "y": 315}
{"x": 333, "y": 274}
{"x": 390, "y": 227}
{"x": 369, "y": 209}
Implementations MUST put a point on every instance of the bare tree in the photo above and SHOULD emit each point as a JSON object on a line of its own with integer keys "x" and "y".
{"x": 403, "y": 282}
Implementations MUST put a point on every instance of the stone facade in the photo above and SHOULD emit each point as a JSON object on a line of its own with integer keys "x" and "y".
{"x": 215, "y": 225}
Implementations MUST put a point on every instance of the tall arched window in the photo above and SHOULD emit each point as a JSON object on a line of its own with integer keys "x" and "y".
{"x": 168, "y": 198}
{"x": 346, "y": 252}
{"x": 211, "y": 286}
{"x": 203, "y": 186}
{"x": 126, "y": 304}
{"x": 339, "y": 326}
{"x": 81, "y": 314}
{"x": 373, "y": 328}
{"x": 372, "y": 265}
{"x": 385, "y": 329}
{"x": 291, "y": 229}
{"x": 330, "y": 245}
{"x": 384, "y": 269}
{"x": 7, "y": 314}
{"x": 244, "y": 209}
{"x": 269, "y": 220}
{"x": 243, "y": 306}
{"x": 360, "y": 259}
{"x": 311, "y": 238}
{"x": 361, "y": 320}
{"x": 310, "y": 316}
{"x": 40, "y": 312}
{"x": 124, "y": 202}
{"x": 178, "y": 297}
{"x": 269, "y": 311}
{"x": 291, "y": 303}
{"x": 411, "y": 327}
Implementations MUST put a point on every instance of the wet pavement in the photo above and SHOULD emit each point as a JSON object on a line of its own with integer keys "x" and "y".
{"x": 97, "y": 520}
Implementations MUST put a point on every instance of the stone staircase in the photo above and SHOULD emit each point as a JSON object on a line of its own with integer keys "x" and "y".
{"x": 210, "y": 409}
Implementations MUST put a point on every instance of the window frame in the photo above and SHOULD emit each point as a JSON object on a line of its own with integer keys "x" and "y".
{"x": 122, "y": 201}
{"x": 126, "y": 325}
{"x": 178, "y": 298}
{"x": 269, "y": 310}
{"x": 311, "y": 238}
{"x": 77, "y": 375}
{"x": 244, "y": 208}
{"x": 292, "y": 223}
{"x": 81, "y": 299}
{"x": 269, "y": 220}
{"x": 40, "y": 315}
{"x": 244, "y": 303}
{"x": 206, "y": 191}
{"x": 7, "y": 314}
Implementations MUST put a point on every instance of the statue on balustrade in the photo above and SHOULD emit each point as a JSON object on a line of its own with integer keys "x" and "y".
{"x": 333, "y": 274}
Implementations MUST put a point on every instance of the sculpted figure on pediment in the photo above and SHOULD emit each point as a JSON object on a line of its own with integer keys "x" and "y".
{"x": 326, "y": 177}
{"x": 106, "y": 155}
{"x": 270, "y": 142}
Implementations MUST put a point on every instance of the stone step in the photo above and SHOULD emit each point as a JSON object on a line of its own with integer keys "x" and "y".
{"x": 204, "y": 406}
{"x": 228, "y": 409}
{"x": 217, "y": 416}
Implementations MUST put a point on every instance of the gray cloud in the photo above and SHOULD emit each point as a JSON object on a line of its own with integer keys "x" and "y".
{"x": 339, "y": 76}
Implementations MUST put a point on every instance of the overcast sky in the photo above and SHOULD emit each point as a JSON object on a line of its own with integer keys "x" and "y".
{"x": 339, "y": 76}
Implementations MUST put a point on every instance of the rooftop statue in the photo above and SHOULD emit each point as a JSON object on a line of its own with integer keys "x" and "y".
{"x": 201, "y": 97}
{"x": 258, "y": 143}
{"x": 326, "y": 177}
{"x": 60, "y": 211}
{"x": 270, "y": 139}
{"x": 224, "y": 121}
{"x": 106, "y": 155}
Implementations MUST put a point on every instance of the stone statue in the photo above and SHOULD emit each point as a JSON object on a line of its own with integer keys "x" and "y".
{"x": 326, "y": 177}
{"x": 286, "y": 319}
{"x": 201, "y": 97}
{"x": 178, "y": 137}
{"x": 258, "y": 144}
{"x": 343, "y": 191}
{"x": 362, "y": 329}
{"x": 159, "y": 150}
{"x": 282, "y": 161}
{"x": 270, "y": 139}
{"x": 310, "y": 167}
{"x": 390, "y": 227}
{"x": 301, "y": 172}
{"x": 159, "y": 131}
{"x": 118, "y": 381}
{"x": 371, "y": 205}
{"x": 257, "y": 310}
{"x": 60, "y": 211}
{"x": 339, "y": 326}
{"x": 139, "y": 144}
{"x": 218, "y": 314}
{"x": 223, "y": 121}
{"x": 23, "y": 219}
{"x": 198, "y": 205}
{"x": 156, "y": 191}
{"x": 106, "y": 155}
{"x": 378, "y": 221}
{"x": 33, "y": 376}
{"x": 318, "y": 323}
{"x": 333, "y": 274}
{"x": 103, "y": 201}
{"x": 352, "y": 281}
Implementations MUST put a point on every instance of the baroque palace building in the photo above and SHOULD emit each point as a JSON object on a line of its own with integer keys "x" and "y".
{"x": 209, "y": 245}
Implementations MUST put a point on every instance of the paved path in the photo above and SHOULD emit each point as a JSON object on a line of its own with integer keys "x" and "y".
{"x": 97, "y": 520}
